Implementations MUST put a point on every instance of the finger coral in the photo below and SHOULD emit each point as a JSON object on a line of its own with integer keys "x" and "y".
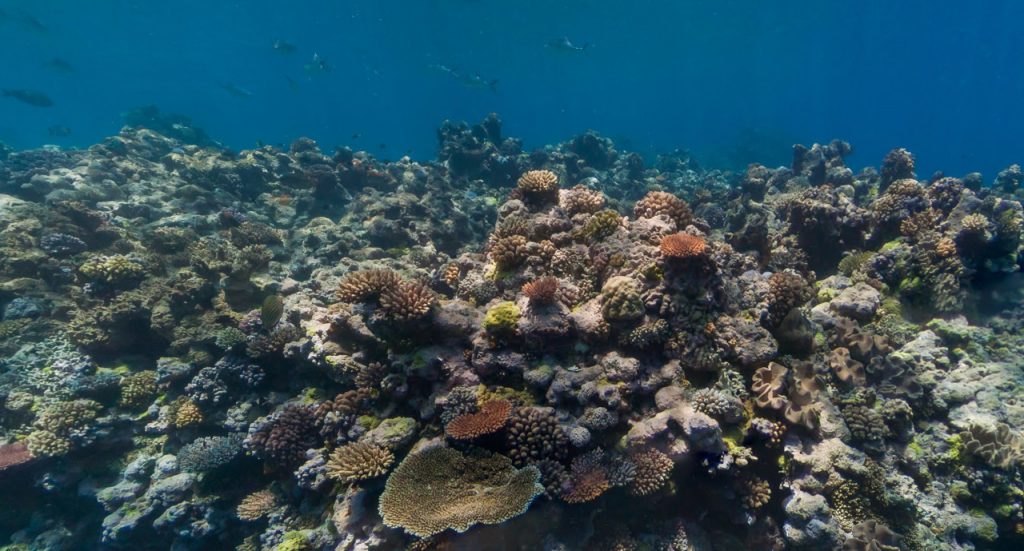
{"x": 534, "y": 434}
{"x": 441, "y": 489}
{"x": 358, "y": 461}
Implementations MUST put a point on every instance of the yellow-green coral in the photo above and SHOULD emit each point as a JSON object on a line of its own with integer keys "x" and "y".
{"x": 113, "y": 270}
{"x": 138, "y": 389}
{"x": 502, "y": 318}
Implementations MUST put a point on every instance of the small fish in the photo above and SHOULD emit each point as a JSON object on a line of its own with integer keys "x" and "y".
{"x": 271, "y": 312}
{"x": 442, "y": 68}
{"x": 318, "y": 65}
{"x": 58, "y": 131}
{"x": 60, "y": 65}
{"x": 293, "y": 85}
{"x": 565, "y": 45}
{"x": 236, "y": 91}
{"x": 30, "y": 97}
{"x": 477, "y": 81}
{"x": 356, "y": 136}
{"x": 284, "y": 47}
{"x": 31, "y": 22}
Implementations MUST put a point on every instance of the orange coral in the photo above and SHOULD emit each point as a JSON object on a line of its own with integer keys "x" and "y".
{"x": 363, "y": 285}
{"x": 587, "y": 485}
{"x": 682, "y": 245}
{"x": 407, "y": 301}
{"x": 491, "y": 418}
{"x": 543, "y": 290}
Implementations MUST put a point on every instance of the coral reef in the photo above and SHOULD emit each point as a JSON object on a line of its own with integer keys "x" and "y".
{"x": 569, "y": 348}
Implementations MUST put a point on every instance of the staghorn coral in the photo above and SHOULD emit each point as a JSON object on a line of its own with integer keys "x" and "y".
{"x": 490, "y": 418}
{"x": 440, "y": 489}
{"x": 657, "y": 203}
{"x": 358, "y": 461}
{"x": 653, "y": 469}
{"x": 365, "y": 285}
{"x": 407, "y": 301}
{"x": 256, "y": 505}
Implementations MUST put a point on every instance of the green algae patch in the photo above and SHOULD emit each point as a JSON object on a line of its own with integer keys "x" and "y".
{"x": 502, "y": 318}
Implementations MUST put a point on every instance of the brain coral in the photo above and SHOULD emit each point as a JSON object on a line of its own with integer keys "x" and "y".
{"x": 439, "y": 489}
{"x": 491, "y": 418}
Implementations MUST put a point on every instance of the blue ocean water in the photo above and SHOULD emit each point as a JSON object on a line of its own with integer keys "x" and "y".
{"x": 732, "y": 81}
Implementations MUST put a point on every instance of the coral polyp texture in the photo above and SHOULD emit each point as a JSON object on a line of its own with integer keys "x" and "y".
{"x": 565, "y": 348}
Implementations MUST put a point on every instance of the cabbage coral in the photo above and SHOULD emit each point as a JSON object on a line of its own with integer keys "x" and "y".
{"x": 440, "y": 489}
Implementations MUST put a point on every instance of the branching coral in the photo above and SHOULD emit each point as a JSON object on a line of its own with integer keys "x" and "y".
{"x": 407, "y": 301}
{"x": 285, "y": 436}
{"x": 538, "y": 183}
{"x": 509, "y": 252}
{"x": 112, "y": 270}
{"x": 683, "y": 246}
{"x": 358, "y": 461}
{"x": 663, "y": 203}
{"x": 491, "y": 418}
{"x": 653, "y": 469}
{"x": 365, "y": 285}
{"x": 581, "y": 199}
{"x": 256, "y": 505}
{"x": 440, "y": 489}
